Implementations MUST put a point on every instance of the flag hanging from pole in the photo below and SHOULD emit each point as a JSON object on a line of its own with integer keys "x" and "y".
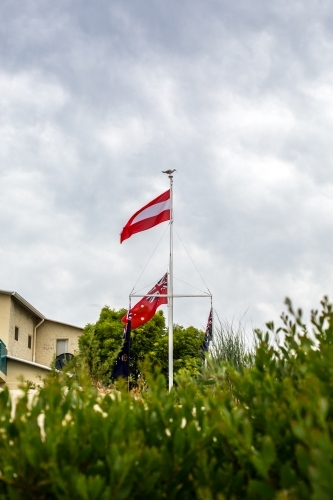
{"x": 121, "y": 366}
{"x": 145, "y": 309}
{"x": 155, "y": 212}
{"x": 208, "y": 334}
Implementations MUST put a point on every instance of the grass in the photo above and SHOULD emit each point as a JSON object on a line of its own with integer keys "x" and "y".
{"x": 231, "y": 344}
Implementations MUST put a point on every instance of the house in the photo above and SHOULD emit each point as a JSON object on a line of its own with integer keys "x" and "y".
{"x": 29, "y": 342}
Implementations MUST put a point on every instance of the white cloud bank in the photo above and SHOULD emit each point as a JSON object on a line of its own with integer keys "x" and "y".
{"x": 97, "y": 99}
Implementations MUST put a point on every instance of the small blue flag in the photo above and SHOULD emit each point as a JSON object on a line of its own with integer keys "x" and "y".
{"x": 208, "y": 334}
{"x": 121, "y": 366}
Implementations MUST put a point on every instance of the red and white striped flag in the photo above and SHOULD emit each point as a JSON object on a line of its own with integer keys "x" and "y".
{"x": 155, "y": 212}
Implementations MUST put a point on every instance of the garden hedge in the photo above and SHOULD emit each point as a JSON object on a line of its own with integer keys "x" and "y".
{"x": 263, "y": 432}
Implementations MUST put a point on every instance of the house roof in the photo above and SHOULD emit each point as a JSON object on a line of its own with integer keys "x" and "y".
{"x": 31, "y": 308}
{"x": 24, "y": 302}
{"x": 26, "y": 362}
{"x": 62, "y": 323}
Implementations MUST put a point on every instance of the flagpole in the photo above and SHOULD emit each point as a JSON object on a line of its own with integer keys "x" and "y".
{"x": 170, "y": 285}
{"x": 161, "y": 205}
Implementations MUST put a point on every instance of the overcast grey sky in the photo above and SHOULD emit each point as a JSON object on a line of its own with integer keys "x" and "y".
{"x": 96, "y": 98}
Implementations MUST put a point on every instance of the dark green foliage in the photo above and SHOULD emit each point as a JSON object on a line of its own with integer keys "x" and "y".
{"x": 100, "y": 344}
{"x": 263, "y": 432}
{"x": 149, "y": 341}
{"x": 187, "y": 344}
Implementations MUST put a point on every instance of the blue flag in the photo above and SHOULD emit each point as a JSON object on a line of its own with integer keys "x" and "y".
{"x": 208, "y": 334}
{"x": 121, "y": 366}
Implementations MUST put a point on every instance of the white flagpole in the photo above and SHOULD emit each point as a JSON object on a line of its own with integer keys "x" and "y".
{"x": 170, "y": 288}
{"x": 170, "y": 295}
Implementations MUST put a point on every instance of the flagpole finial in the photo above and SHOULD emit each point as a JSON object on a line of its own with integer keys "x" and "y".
{"x": 169, "y": 172}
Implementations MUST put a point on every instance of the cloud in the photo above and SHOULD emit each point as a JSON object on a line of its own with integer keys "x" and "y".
{"x": 97, "y": 99}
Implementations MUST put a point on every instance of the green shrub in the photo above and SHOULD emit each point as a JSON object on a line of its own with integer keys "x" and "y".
{"x": 264, "y": 432}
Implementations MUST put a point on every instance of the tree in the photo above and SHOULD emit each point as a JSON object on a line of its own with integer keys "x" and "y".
{"x": 187, "y": 345}
{"x": 101, "y": 342}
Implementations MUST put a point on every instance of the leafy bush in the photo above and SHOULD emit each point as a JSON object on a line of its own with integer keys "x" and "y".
{"x": 264, "y": 432}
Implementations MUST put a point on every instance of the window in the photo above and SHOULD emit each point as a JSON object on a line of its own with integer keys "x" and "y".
{"x": 29, "y": 341}
{"x": 62, "y": 346}
{"x": 16, "y": 332}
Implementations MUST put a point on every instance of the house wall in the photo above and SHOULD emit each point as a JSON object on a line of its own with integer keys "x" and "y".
{"x": 5, "y": 301}
{"x": 3, "y": 379}
{"x": 47, "y": 335}
{"x": 16, "y": 371}
{"x": 26, "y": 321}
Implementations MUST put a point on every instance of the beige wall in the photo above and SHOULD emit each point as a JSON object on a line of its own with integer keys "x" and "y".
{"x": 5, "y": 301}
{"x": 16, "y": 370}
{"x": 25, "y": 320}
{"x": 13, "y": 313}
{"x": 47, "y": 335}
{"x": 3, "y": 379}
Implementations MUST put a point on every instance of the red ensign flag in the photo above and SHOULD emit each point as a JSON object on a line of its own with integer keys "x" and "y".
{"x": 145, "y": 309}
{"x": 150, "y": 215}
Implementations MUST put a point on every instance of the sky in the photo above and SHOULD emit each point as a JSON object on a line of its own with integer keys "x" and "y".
{"x": 97, "y": 98}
